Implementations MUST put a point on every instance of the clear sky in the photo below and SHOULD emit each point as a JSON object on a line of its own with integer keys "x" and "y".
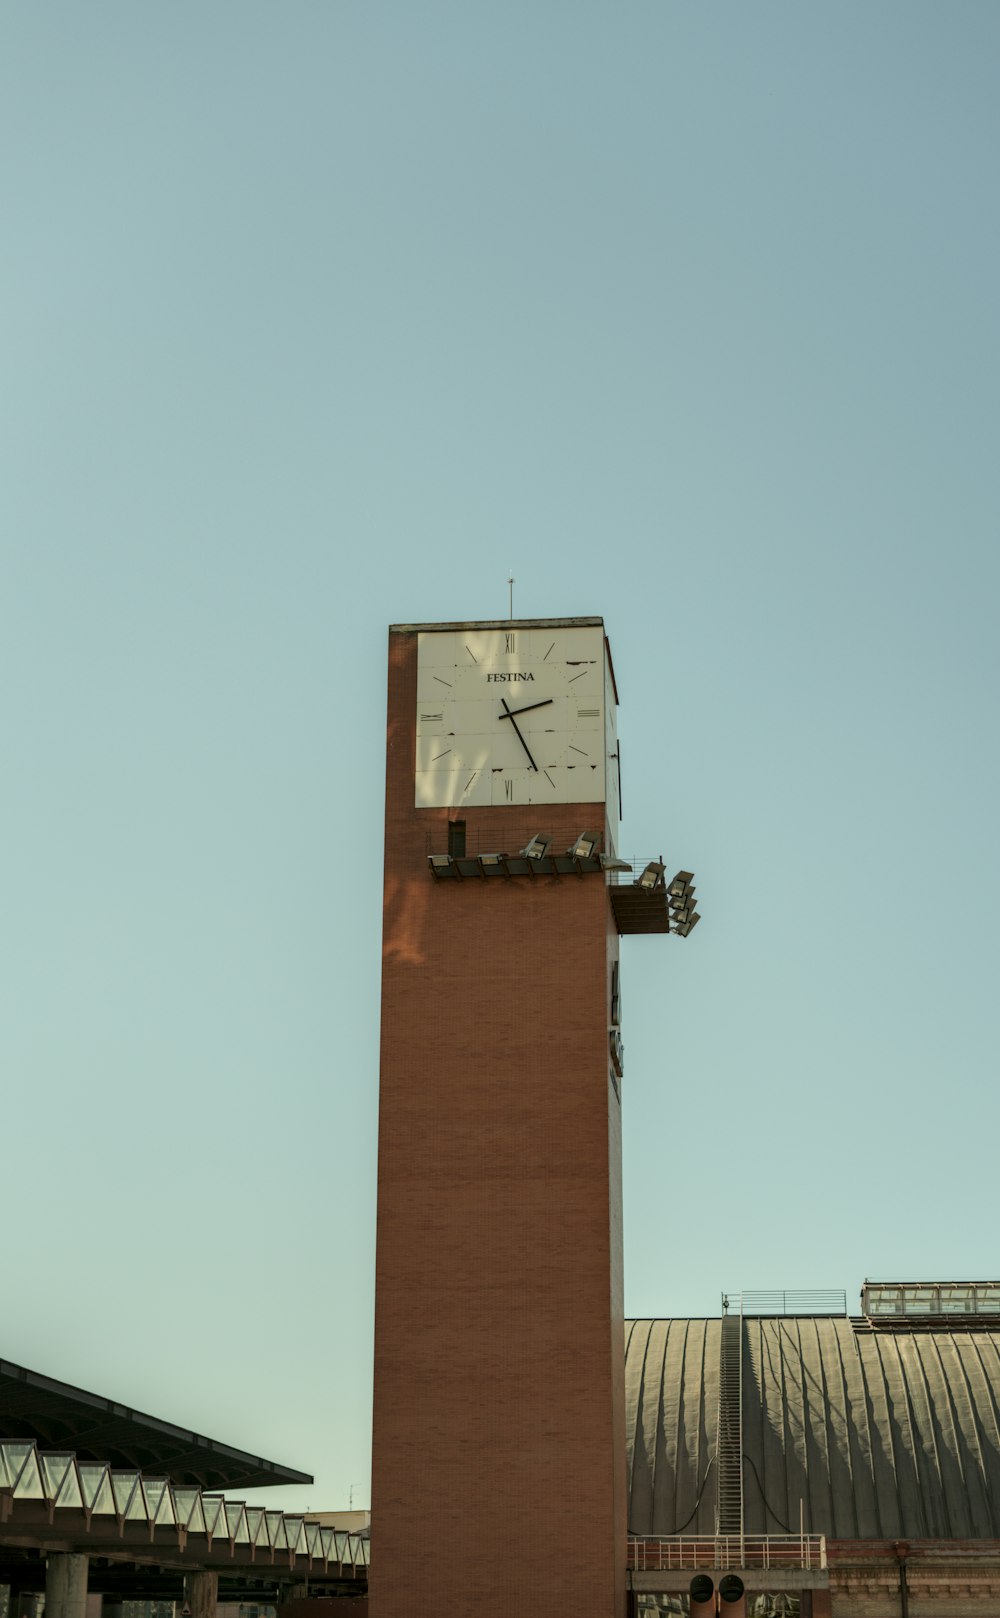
{"x": 321, "y": 316}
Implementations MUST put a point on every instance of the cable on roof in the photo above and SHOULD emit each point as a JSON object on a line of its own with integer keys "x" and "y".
{"x": 767, "y": 1504}
{"x": 697, "y": 1503}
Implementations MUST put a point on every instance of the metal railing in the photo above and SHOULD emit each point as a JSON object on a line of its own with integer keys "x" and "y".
{"x": 814, "y": 1301}
{"x": 651, "y": 1553}
{"x": 637, "y": 862}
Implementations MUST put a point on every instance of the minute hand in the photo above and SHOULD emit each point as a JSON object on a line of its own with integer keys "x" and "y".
{"x": 507, "y": 714}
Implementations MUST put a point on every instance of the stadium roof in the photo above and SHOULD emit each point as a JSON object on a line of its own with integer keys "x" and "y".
{"x": 880, "y": 1434}
{"x": 55, "y": 1415}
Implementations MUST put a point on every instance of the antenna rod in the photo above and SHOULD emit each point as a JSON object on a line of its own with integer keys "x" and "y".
{"x": 511, "y": 582}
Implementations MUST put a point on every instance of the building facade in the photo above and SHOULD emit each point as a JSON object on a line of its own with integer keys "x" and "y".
{"x": 877, "y": 1433}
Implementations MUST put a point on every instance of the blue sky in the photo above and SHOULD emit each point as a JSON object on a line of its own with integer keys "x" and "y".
{"x": 325, "y": 316}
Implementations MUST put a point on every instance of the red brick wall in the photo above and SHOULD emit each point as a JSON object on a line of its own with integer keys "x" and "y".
{"x": 498, "y": 1466}
{"x": 946, "y": 1578}
{"x": 346, "y": 1606}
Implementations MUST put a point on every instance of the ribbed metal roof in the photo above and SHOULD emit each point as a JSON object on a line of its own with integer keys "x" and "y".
{"x": 880, "y": 1435}
{"x": 671, "y": 1418}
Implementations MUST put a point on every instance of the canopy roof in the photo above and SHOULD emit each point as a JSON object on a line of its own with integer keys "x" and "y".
{"x": 55, "y": 1415}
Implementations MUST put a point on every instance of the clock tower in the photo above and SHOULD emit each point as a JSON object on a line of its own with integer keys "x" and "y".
{"x": 498, "y": 1484}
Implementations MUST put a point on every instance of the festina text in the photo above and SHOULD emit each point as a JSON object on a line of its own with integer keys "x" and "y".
{"x": 501, "y": 677}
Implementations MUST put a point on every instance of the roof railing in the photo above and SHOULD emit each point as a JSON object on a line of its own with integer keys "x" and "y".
{"x": 811, "y": 1301}
{"x": 666, "y": 1553}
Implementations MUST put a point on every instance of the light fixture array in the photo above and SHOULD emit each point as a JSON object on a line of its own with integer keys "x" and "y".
{"x": 535, "y": 858}
{"x": 583, "y": 857}
{"x": 680, "y": 900}
{"x": 643, "y": 903}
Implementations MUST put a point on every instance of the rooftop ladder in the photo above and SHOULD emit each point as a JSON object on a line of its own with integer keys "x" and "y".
{"x": 729, "y": 1468}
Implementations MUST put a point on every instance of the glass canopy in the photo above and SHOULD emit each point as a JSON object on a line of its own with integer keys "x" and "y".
{"x": 91, "y": 1491}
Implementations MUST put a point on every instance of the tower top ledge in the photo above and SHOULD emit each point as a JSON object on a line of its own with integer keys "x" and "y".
{"x": 501, "y": 623}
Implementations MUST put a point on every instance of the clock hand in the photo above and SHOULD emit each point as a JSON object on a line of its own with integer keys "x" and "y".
{"x": 511, "y": 712}
{"x": 510, "y": 716}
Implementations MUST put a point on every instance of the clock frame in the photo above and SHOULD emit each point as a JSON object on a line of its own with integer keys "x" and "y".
{"x": 512, "y": 715}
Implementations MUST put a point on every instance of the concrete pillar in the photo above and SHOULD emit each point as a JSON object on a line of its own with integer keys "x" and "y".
{"x": 66, "y": 1585}
{"x": 202, "y": 1591}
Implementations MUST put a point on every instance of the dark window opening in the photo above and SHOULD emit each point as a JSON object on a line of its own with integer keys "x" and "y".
{"x": 456, "y": 838}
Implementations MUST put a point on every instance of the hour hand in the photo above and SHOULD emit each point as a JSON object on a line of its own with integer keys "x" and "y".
{"x": 512, "y": 711}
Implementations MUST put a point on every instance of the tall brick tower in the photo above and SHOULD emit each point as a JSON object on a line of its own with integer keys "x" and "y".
{"x": 499, "y": 1465}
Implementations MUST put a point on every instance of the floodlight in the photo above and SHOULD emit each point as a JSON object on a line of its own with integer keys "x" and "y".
{"x": 493, "y": 862}
{"x": 617, "y": 1050}
{"x": 441, "y": 865}
{"x": 585, "y": 846}
{"x": 652, "y": 877}
{"x": 608, "y": 863}
{"x": 536, "y": 849}
{"x": 691, "y": 922}
{"x": 682, "y": 880}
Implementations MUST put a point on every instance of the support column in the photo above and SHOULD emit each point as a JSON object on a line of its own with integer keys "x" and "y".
{"x": 66, "y": 1585}
{"x": 202, "y": 1594}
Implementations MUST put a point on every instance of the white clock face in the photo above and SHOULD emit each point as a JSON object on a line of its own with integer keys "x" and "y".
{"x": 511, "y": 716}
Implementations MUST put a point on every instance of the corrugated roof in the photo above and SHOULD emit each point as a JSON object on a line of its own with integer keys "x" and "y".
{"x": 880, "y": 1435}
{"x": 671, "y": 1417}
